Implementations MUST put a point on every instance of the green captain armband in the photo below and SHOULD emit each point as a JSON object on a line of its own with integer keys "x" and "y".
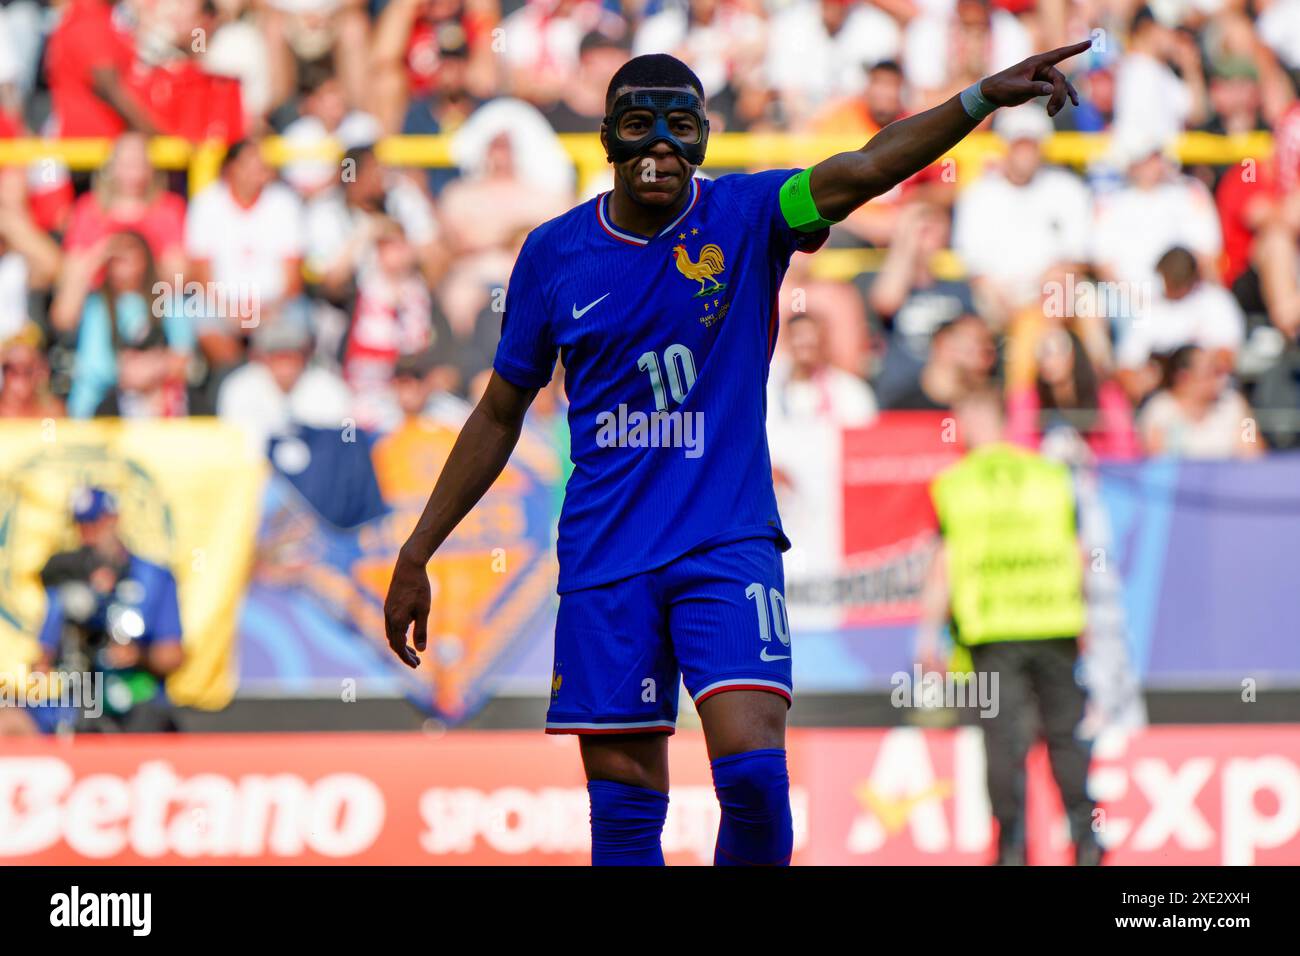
{"x": 797, "y": 204}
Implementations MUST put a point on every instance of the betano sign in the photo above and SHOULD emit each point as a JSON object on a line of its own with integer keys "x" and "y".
{"x": 1194, "y": 795}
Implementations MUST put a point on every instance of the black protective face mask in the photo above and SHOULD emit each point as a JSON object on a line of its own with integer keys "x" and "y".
{"x": 661, "y": 103}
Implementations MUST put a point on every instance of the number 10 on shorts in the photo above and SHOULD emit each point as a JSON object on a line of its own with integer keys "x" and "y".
{"x": 771, "y": 613}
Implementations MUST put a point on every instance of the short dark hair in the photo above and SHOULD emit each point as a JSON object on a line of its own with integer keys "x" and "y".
{"x": 600, "y": 40}
{"x": 415, "y": 364}
{"x": 1178, "y": 267}
{"x": 235, "y": 149}
{"x": 948, "y": 325}
{"x": 359, "y": 155}
{"x": 315, "y": 74}
{"x": 1142, "y": 18}
{"x": 1177, "y": 362}
{"x": 653, "y": 70}
{"x": 886, "y": 66}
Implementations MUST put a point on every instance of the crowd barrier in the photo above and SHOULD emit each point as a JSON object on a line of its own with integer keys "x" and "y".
{"x": 202, "y": 161}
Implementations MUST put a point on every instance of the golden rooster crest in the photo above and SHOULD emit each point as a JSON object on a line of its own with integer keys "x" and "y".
{"x": 709, "y": 266}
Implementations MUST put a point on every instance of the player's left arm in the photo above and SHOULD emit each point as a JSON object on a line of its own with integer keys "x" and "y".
{"x": 845, "y": 181}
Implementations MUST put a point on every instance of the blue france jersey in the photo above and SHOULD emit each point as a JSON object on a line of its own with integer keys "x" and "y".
{"x": 666, "y": 344}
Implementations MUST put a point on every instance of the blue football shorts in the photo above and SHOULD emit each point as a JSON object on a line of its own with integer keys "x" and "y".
{"x": 714, "y": 619}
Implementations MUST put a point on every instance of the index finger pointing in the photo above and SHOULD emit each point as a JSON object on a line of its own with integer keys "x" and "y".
{"x": 1065, "y": 52}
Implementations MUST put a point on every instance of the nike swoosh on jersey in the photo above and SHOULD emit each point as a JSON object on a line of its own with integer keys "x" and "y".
{"x": 765, "y": 656}
{"x": 579, "y": 313}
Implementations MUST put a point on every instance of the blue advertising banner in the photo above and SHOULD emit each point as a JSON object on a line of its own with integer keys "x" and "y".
{"x": 312, "y": 621}
{"x": 1196, "y": 559}
{"x": 1208, "y": 552}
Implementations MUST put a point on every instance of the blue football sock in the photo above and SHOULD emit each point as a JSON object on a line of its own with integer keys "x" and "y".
{"x": 754, "y": 792}
{"x": 626, "y": 824}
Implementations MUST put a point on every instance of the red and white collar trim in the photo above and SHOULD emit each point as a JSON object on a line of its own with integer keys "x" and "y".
{"x": 603, "y": 201}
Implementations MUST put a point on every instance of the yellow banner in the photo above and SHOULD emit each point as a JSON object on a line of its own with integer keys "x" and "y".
{"x": 189, "y": 497}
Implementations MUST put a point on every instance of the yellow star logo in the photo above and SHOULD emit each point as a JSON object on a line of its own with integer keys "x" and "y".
{"x": 893, "y": 812}
{"x": 681, "y": 235}
{"x": 694, "y": 232}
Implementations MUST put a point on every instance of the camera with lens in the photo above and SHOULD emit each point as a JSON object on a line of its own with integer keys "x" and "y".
{"x": 101, "y": 609}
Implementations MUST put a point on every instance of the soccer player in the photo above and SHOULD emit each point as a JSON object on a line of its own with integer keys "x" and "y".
{"x": 661, "y": 298}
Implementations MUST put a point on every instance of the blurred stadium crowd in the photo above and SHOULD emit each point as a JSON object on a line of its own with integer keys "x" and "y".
{"x": 1153, "y": 304}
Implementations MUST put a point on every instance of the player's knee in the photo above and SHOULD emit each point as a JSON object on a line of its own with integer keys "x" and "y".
{"x": 627, "y": 823}
{"x": 743, "y": 721}
{"x": 754, "y": 792}
{"x": 765, "y": 728}
{"x": 754, "y": 785}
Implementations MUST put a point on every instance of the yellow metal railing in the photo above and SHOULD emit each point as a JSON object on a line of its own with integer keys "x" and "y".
{"x": 726, "y": 150}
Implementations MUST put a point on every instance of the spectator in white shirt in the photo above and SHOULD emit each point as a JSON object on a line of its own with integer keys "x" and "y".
{"x": 324, "y": 117}
{"x": 1189, "y": 312}
{"x": 1156, "y": 210}
{"x": 805, "y": 388}
{"x": 339, "y": 223}
{"x": 953, "y": 43}
{"x": 1015, "y": 224}
{"x": 1149, "y": 95}
{"x": 243, "y": 235}
{"x": 10, "y": 72}
{"x": 238, "y": 48}
{"x": 278, "y": 387}
{"x": 818, "y": 50}
{"x": 1198, "y": 414}
{"x": 535, "y": 157}
{"x": 24, "y": 28}
{"x": 1279, "y": 27}
{"x": 712, "y": 36}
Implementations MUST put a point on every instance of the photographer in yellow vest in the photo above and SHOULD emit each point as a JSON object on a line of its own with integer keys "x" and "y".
{"x": 1009, "y": 579}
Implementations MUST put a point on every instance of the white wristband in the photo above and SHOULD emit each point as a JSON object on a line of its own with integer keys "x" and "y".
{"x": 975, "y": 103}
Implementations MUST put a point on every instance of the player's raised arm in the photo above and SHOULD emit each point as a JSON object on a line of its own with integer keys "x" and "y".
{"x": 480, "y": 453}
{"x": 845, "y": 181}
